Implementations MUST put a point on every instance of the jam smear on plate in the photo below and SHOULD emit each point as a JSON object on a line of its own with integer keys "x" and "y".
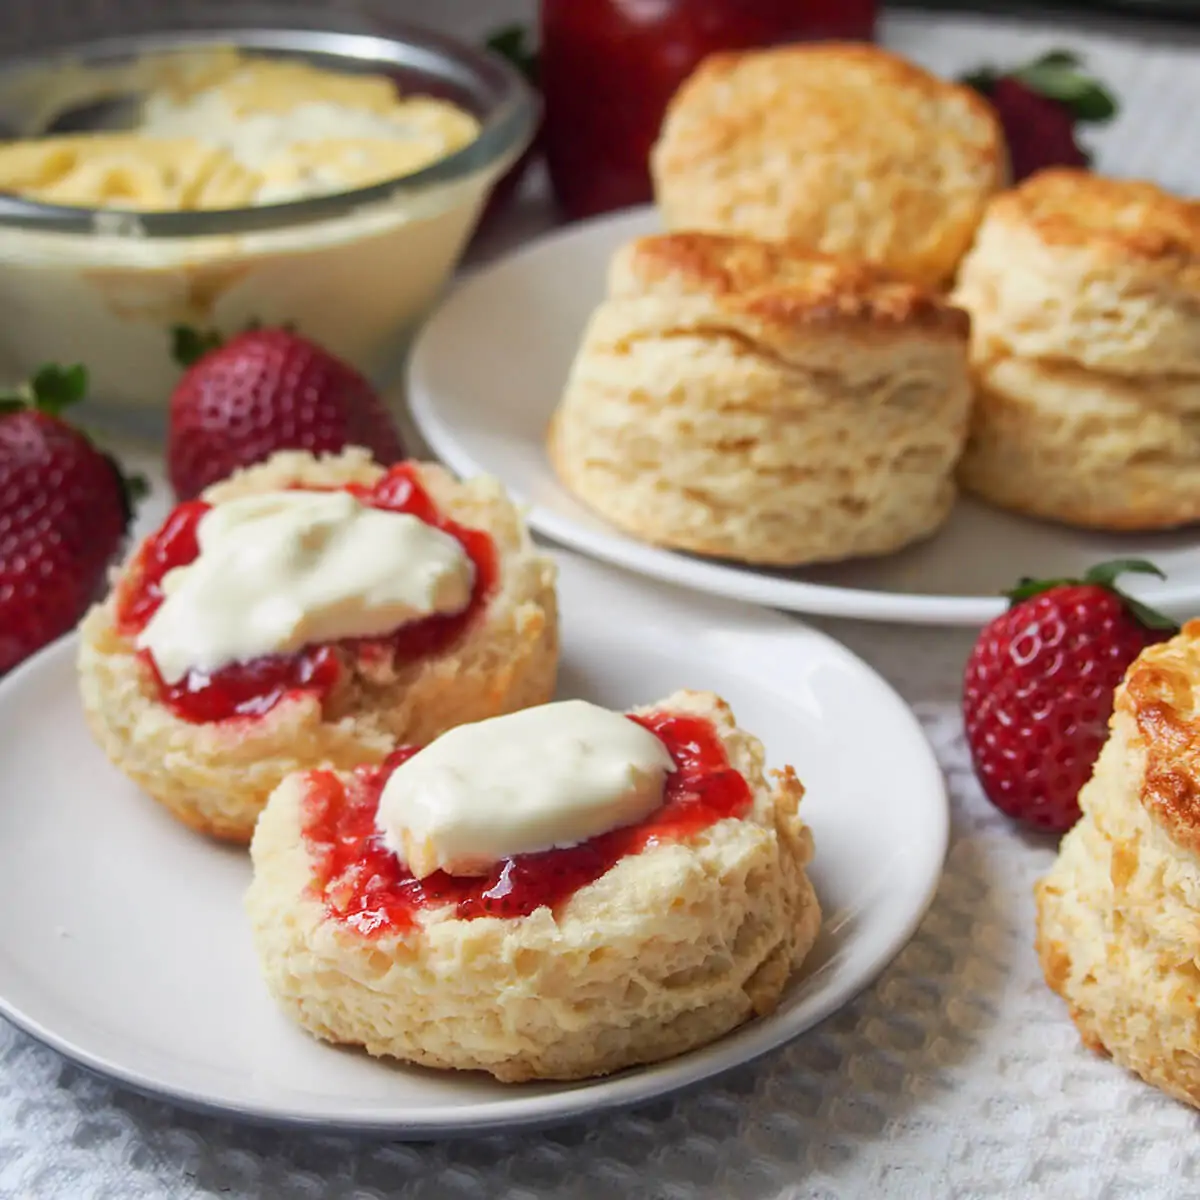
{"x": 365, "y": 885}
{"x": 249, "y": 689}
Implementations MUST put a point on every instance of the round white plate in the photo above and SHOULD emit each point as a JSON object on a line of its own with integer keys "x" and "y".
{"x": 124, "y": 944}
{"x": 487, "y": 372}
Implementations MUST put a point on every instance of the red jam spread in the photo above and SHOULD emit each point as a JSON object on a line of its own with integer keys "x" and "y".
{"x": 365, "y": 884}
{"x": 608, "y": 68}
{"x": 249, "y": 689}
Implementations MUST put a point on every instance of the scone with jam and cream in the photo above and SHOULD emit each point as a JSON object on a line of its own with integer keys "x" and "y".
{"x": 222, "y": 130}
{"x": 313, "y": 612}
{"x": 553, "y": 894}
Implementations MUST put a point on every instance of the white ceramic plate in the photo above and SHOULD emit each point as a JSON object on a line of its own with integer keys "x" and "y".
{"x": 124, "y": 945}
{"x": 488, "y": 370}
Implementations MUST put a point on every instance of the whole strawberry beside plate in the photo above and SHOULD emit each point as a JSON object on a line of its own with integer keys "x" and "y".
{"x": 265, "y": 390}
{"x": 1039, "y": 683}
{"x": 65, "y": 507}
{"x": 1041, "y": 105}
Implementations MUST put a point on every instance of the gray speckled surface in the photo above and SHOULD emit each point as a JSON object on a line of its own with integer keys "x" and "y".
{"x": 957, "y": 1074}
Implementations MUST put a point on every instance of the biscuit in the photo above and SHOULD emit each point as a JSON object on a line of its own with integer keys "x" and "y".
{"x": 1102, "y": 273}
{"x": 846, "y": 148}
{"x": 1087, "y": 449}
{"x": 756, "y": 401}
{"x": 1084, "y": 295}
{"x": 1118, "y": 916}
{"x": 216, "y": 777}
{"x": 669, "y": 949}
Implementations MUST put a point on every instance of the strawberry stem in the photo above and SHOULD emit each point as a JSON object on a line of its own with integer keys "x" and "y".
{"x": 1103, "y": 575}
{"x": 50, "y": 390}
{"x": 189, "y": 346}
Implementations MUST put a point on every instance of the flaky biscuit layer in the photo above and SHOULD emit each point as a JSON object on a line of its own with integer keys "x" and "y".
{"x": 761, "y": 403}
{"x": 1084, "y": 448}
{"x": 1119, "y": 913}
{"x": 1076, "y": 268}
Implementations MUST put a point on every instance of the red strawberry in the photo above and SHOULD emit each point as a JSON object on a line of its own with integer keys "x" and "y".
{"x": 64, "y": 510}
{"x": 1038, "y": 688}
{"x": 263, "y": 391}
{"x": 1040, "y": 106}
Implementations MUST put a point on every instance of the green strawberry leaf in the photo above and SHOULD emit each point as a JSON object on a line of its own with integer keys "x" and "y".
{"x": 53, "y": 388}
{"x": 189, "y": 346}
{"x": 982, "y": 80}
{"x": 1103, "y": 575}
{"x": 1058, "y": 75}
{"x": 1058, "y": 58}
{"x": 510, "y": 42}
{"x": 1087, "y": 99}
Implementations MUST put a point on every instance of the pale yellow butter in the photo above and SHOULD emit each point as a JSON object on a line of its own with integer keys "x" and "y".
{"x": 231, "y": 130}
{"x": 281, "y": 570}
{"x": 545, "y": 777}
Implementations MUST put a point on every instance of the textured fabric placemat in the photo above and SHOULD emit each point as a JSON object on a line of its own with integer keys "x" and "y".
{"x": 956, "y": 1075}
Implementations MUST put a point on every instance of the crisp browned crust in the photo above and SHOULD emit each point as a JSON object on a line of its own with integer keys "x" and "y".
{"x": 1159, "y": 694}
{"x": 781, "y": 283}
{"x": 847, "y": 148}
{"x": 1116, "y": 220}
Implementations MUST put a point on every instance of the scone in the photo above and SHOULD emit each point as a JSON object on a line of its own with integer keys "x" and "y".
{"x": 846, "y": 148}
{"x": 759, "y": 402}
{"x": 1119, "y": 913}
{"x": 312, "y": 612}
{"x": 682, "y": 914}
{"x": 1084, "y": 295}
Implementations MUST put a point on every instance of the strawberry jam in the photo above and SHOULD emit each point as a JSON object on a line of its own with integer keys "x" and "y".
{"x": 249, "y": 689}
{"x": 363, "y": 884}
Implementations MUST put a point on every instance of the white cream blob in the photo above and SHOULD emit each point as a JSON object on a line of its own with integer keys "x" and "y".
{"x": 543, "y": 778}
{"x": 280, "y": 570}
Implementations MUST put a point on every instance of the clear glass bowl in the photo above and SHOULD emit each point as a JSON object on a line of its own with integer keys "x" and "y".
{"x": 353, "y": 270}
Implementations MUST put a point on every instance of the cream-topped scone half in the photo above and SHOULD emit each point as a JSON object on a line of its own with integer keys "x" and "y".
{"x": 312, "y": 612}
{"x": 558, "y": 893}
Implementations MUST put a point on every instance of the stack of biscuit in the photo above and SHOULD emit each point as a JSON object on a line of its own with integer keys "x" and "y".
{"x": 846, "y": 148}
{"x": 1119, "y": 914}
{"x": 1084, "y": 295}
{"x": 760, "y": 402}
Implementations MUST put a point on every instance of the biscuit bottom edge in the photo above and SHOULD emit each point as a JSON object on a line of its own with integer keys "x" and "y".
{"x": 1112, "y": 1010}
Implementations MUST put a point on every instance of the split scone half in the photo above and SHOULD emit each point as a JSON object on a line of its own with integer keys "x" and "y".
{"x": 312, "y": 612}
{"x": 1118, "y": 916}
{"x": 1084, "y": 295}
{"x": 556, "y": 894}
{"x": 759, "y": 402}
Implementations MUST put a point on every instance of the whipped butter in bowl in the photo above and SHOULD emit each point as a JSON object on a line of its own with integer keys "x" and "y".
{"x": 325, "y": 178}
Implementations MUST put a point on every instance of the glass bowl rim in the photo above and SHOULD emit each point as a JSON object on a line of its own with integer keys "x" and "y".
{"x": 506, "y": 129}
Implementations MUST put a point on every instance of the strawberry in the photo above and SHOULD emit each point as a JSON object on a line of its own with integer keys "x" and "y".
{"x": 266, "y": 390}
{"x": 64, "y": 512}
{"x": 1040, "y": 106}
{"x": 1039, "y": 683}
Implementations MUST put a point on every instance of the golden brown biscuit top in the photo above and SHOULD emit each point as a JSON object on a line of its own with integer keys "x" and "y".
{"x": 1121, "y": 219}
{"x": 827, "y": 96}
{"x": 1162, "y": 694}
{"x": 779, "y": 282}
